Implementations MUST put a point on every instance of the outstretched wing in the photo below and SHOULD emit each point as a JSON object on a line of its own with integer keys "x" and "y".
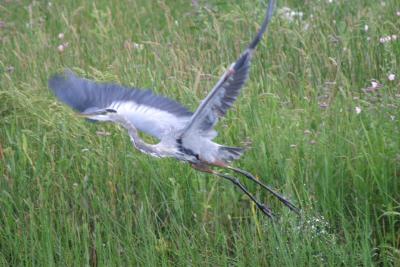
{"x": 225, "y": 92}
{"x": 152, "y": 114}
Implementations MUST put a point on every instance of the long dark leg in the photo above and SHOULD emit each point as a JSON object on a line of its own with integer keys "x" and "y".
{"x": 252, "y": 178}
{"x": 236, "y": 182}
{"x": 206, "y": 168}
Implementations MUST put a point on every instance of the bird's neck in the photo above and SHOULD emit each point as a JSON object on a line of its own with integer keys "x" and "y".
{"x": 153, "y": 150}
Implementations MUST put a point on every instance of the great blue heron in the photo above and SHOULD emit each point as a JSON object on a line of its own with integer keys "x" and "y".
{"x": 183, "y": 135}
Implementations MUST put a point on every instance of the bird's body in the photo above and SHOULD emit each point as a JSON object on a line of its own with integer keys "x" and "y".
{"x": 158, "y": 116}
{"x": 182, "y": 135}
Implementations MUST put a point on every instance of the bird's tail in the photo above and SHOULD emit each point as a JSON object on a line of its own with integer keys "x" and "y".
{"x": 229, "y": 153}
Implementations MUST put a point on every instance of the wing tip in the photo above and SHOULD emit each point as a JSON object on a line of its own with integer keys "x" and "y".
{"x": 56, "y": 79}
{"x": 80, "y": 93}
{"x": 63, "y": 87}
{"x": 264, "y": 26}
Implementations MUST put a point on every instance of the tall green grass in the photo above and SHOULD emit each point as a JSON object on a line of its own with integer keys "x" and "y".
{"x": 71, "y": 196}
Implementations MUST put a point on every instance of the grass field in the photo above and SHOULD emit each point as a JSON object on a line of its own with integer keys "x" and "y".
{"x": 74, "y": 193}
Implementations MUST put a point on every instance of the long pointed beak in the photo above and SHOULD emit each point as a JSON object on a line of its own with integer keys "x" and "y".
{"x": 95, "y": 114}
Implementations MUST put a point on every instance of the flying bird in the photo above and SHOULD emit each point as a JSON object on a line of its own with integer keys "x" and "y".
{"x": 182, "y": 135}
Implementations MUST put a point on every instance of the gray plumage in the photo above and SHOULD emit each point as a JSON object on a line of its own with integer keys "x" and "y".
{"x": 224, "y": 93}
{"x": 87, "y": 96}
{"x": 81, "y": 93}
{"x": 183, "y": 135}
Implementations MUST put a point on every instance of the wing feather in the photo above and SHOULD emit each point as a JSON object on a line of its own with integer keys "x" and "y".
{"x": 150, "y": 113}
{"x": 227, "y": 89}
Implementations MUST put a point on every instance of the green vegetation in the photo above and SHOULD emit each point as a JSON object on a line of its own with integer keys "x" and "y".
{"x": 74, "y": 193}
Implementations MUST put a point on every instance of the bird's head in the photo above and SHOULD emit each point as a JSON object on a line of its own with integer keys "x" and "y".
{"x": 97, "y": 114}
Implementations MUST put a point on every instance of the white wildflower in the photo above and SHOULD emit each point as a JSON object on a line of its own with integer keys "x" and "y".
{"x": 289, "y": 14}
{"x": 366, "y": 27}
{"x": 391, "y": 77}
{"x": 129, "y": 45}
{"x": 137, "y": 46}
{"x": 375, "y": 86}
{"x": 382, "y": 40}
{"x": 60, "y": 48}
{"x": 60, "y": 36}
{"x": 389, "y": 38}
{"x": 358, "y": 110}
